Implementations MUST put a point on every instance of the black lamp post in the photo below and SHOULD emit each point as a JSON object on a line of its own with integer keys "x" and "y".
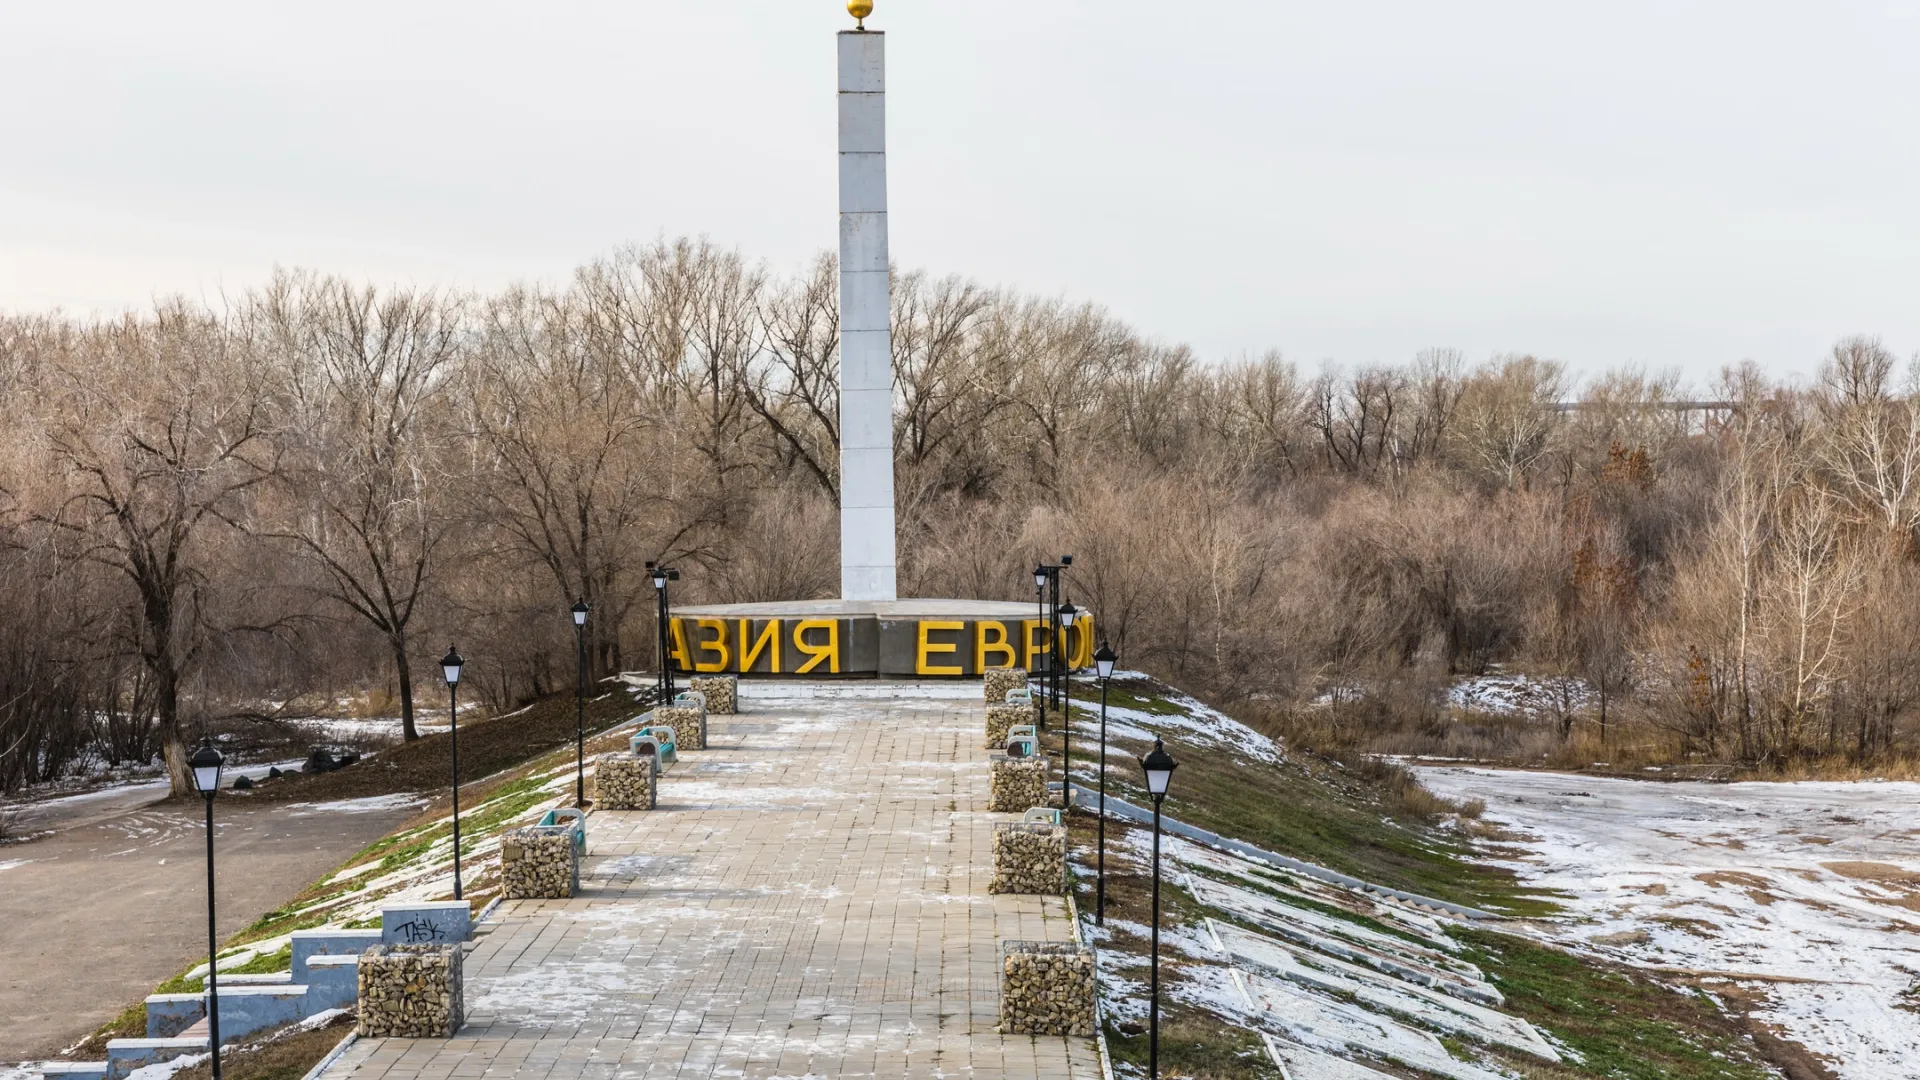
{"x": 206, "y": 763}
{"x": 580, "y": 703}
{"x": 451, "y": 664}
{"x": 1103, "y": 665}
{"x": 661, "y": 575}
{"x": 1040, "y": 575}
{"x": 1059, "y": 663}
{"x": 1067, "y": 615}
{"x": 1159, "y": 766}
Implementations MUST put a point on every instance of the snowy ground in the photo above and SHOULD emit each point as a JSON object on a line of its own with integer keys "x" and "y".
{"x": 1808, "y": 892}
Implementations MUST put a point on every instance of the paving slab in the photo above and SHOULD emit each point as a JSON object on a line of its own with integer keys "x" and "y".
{"x": 809, "y": 899}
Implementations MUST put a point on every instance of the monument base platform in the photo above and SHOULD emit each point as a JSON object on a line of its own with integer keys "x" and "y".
{"x": 856, "y": 638}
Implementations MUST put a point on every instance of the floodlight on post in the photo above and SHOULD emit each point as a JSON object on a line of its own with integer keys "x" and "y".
{"x": 1159, "y": 766}
{"x": 1103, "y": 661}
{"x": 580, "y": 610}
{"x": 206, "y": 764}
{"x": 450, "y": 665}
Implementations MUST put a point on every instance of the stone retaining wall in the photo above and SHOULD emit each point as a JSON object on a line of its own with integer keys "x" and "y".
{"x": 1029, "y": 858}
{"x": 1002, "y": 717}
{"x": 1000, "y": 680}
{"x": 1046, "y": 988}
{"x": 623, "y": 782}
{"x": 411, "y": 991}
{"x": 538, "y": 864}
{"x": 1016, "y": 784}
{"x": 723, "y": 693}
{"x": 689, "y": 725}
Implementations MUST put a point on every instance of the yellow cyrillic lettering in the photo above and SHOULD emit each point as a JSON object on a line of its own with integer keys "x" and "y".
{"x": 769, "y": 642}
{"x": 677, "y": 645}
{"x": 920, "y": 665}
{"x": 1034, "y": 634}
{"x": 718, "y": 644}
{"x": 830, "y": 652}
{"x": 996, "y": 643}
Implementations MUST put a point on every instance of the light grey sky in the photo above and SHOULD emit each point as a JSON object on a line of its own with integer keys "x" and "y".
{"x": 1671, "y": 184}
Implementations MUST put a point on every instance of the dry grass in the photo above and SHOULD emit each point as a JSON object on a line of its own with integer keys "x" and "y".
{"x": 282, "y": 1056}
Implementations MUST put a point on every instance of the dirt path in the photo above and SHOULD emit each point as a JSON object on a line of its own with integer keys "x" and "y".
{"x": 92, "y": 917}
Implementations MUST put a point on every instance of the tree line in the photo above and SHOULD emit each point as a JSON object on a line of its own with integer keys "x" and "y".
{"x": 213, "y": 514}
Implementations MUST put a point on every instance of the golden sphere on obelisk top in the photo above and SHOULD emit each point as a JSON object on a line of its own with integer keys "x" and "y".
{"x": 860, "y": 9}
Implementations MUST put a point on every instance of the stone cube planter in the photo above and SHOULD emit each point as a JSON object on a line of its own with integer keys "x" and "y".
{"x": 411, "y": 991}
{"x": 723, "y": 693}
{"x": 1029, "y": 857}
{"x": 1046, "y": 988}
{"x": 689, "y": 725}
{"x": 539, "y": 863}
{"x": 1000, "y": 680}
{"x": 1002, "y": 717}
{"x": 1016, "y": 784}
{"x": 623, "y": 782}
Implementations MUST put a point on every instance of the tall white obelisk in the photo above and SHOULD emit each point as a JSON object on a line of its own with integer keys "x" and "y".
{"x": 866, "y": 336}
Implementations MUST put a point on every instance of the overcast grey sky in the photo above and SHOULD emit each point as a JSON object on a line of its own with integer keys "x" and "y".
{"x": 1674, "y": 184}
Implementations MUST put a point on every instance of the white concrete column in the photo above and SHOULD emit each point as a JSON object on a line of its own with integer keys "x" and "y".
{"x": 866, "y": 337}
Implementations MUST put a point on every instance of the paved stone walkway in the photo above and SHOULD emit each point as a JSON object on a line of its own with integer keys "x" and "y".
{"x": 808, "y": 900}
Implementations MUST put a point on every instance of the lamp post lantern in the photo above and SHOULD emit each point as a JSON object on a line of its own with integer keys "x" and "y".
{"x": 206, "y": 764}
{"x": 1103, "y": 661}
{"x": 1067, "y": 614}
{"x": 1057, "y": 665}
{"x": 580, "y": 610}
{"x": 450, "y": 665}
{"x": 1159, "y": 766}
{"x": 664, "y": 619}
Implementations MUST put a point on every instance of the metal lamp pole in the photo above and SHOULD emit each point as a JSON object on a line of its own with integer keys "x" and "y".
{"x": 661, "y": 575}
{"x": 450, "y": 665}
{"x": 1103, "y": 664}
{"x": 206, "y": 763}
{"x": 1040, "y": 575}
{"x": 1067, "y": 615}
{"x": 580, "y": 610}
{"x": 1159, "y": 766}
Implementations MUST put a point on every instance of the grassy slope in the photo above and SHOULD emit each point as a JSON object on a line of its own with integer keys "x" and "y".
{"x": 1310, "y": 809}
{"x": 1620, "y": 1023}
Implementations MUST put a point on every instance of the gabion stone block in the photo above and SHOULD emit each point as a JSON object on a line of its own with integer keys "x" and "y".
{"x": 1000, "y": 680}
{"x": 1029, "y": 858}
{"x": 539, "y": 864}
{"x": 689, "y": 725}
{"x": 1046, "y": 988}
{"x": 411, "y": 991}
{"x": 1016, "y": 784}
{"x": 1002, "y": 717}
{"x": 723, "y": 692}
{"x": 623, "y": 782}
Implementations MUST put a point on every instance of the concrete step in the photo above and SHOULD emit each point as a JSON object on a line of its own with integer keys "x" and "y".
{"x": 271, "y": 978}
{"x": 74, "y": 1070}
{"x": 126, "y": 1055}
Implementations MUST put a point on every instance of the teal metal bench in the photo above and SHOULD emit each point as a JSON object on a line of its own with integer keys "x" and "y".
{"x": 656, "y": 742}
{"x": 566, "y": 817}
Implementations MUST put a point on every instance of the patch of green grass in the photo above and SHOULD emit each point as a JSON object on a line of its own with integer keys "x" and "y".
{"x": 1621, "y": 1023}
{"x": 1122, "y": 694}
{"x": 265, "y": 964}
{"x": 1315, "y": 811}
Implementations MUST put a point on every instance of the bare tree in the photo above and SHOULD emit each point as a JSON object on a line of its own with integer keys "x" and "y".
{"x": 160, "y": 432}
{"x": 364, "y": 469}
